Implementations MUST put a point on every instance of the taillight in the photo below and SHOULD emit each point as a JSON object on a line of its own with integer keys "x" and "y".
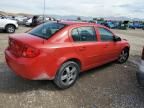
{"x": 20, "y": 49}
{"x": 15, "y": 47}
{"x": 143, "y": 54}
{"x": 30, "y": 52}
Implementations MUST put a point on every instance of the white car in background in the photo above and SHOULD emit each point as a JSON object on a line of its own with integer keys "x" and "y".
{"x": 40, "y": 20}
{"x": 140, "y": 73}
{"x": 20, "y": 19}
{"x": 28, "y": 22}
{"x": 8, "y": 25}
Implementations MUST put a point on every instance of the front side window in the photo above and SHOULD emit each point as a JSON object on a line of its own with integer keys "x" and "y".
{"x": 84, "y": 34}
{"x": 105, "y": 34}
{"x": 46, "y": 30}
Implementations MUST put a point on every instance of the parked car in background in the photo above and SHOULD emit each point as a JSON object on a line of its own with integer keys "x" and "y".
{"x": 28, "y": 22}
{"x": 34, "y": 21}
{"x": 2, "y": 17}
{"x": 37, "y": 20}
{"x": 8, "y": 25}
{"x": 136, "y": 25}
{"x": 44, "y": 19}
{"x": 20, "y": 19}
{"x": 140, "y": 73}
{"x": 123, "y": 25}
{"x": 59, "y": 51}
{"x": 10, "y": 17}
{"x": 109, "y": 24}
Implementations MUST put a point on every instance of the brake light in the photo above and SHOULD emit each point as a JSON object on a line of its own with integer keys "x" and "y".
{"x": 15, "y": 47}
{"x": 20, "y": 49}
{"x": 30, "y": 52}
{"x": 143, "y": 54}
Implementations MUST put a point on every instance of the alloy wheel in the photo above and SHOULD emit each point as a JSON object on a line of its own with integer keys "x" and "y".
{"x": 11, "y": 29}
{"x": 123, "y": 56}
{"x": 69, "y": 75}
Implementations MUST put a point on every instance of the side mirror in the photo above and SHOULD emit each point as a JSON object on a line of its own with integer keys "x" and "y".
{"x": 116, "y": 38}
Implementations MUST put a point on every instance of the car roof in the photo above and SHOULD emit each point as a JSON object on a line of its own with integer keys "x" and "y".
{"x": 80, "y": 23}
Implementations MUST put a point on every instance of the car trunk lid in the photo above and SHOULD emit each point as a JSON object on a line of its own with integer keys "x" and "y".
{"x": 18, "y": 42}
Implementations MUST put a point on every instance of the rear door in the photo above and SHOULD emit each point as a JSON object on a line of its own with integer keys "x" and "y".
{"x": 87, "y": 45}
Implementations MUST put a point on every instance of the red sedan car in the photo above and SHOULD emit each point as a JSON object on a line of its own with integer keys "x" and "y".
{"x": 59, "y": 51}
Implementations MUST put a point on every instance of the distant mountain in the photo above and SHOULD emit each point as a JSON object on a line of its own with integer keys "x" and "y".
{"x": 3, "y": 13}
{"x": 14, "y": 14}
{"x": 23, "y": 14}
{"x": 73, "y": 17}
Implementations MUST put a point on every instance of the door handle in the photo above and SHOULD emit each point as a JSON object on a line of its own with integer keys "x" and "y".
{"x": 82, "y": 48}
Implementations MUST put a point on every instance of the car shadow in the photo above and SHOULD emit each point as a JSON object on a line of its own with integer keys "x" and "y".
{"x": 3, "y": 31}
{"x": 11, "y": 83}
{"x": 97, "y": 69}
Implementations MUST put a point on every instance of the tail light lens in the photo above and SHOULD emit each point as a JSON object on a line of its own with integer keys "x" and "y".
{"x": 30, "y": 52}
{"x": 22, "y": 50}
{"x": 15, "y": 47}
{"x": 143, "y": 54}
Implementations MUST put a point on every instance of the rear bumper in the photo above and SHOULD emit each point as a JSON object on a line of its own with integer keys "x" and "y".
{"x": 27, "y": 68}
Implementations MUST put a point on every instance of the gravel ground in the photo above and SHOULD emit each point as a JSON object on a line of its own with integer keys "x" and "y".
{"x": 109, "y": 86}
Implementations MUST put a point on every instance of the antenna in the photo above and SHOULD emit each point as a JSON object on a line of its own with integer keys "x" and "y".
{"x": 44, "y": 7}
{"x": 44, "y": 10}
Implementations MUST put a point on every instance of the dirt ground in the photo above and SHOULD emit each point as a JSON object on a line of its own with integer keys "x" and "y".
{"x": 109, "y": 86}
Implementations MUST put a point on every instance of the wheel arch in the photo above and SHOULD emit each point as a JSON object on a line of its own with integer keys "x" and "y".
{"x": 10, "y": 24}
{"x": 74, "y": 59}
{"x": 126, "y": 47}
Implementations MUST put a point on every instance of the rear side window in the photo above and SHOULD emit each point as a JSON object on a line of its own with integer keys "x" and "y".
{"x": 75, "y": 35}
{"x": 105, "y": 34}
{"x": 84, "y": 34}
{"x": 46, "y": 30}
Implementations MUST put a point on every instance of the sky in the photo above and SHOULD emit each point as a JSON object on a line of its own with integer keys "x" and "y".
{"x": 93, "y": 8}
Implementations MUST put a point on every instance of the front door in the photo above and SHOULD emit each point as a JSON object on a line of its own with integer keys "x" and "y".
{"x": 110, "y": 47}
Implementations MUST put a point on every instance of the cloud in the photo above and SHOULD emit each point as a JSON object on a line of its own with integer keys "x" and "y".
{"x": 130, "y": 8}
{"x": 138, "y": 8}
{"x": 134, "y": 9}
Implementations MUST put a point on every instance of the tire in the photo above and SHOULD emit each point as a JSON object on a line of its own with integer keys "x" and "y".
{"x": 140, "y": 80}
{"x": 123, "y": 56}
{"x": 10, "y": 28}
{"x": 65, "y": 77}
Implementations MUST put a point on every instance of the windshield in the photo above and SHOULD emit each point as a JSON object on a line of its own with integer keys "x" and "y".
{"x": 46, "y": 30}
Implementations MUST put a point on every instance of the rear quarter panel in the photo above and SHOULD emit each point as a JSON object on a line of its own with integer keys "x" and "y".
{"x": 66, "y": 52}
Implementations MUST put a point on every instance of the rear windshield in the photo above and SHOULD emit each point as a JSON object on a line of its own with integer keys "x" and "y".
{"x": 46, "y": 30}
